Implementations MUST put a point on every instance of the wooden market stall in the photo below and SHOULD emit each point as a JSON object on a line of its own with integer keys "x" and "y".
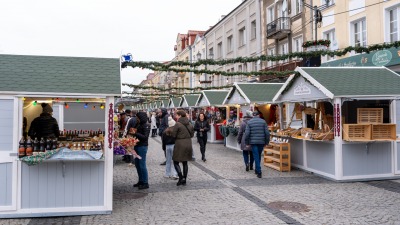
{"x": 248, "y": 96}
{"x": 212, "y": 103}
{"x": 81, "y": 93}
{"x": 189, "y": 103}
{"x": 350, "y": 124}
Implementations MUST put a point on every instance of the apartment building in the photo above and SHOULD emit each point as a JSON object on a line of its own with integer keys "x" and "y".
{"x": 237, "y": 34}
{"x": 286, "y": 25}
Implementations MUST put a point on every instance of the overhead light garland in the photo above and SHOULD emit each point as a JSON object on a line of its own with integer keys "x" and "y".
{"x": 176, "y": 88}
{"x": 158, "y": 66}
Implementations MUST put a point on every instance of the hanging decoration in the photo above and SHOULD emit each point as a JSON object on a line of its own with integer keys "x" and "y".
{"x": 315, "y": 43}
{"x": 176, "y": 88}
{"x": 158, "y": 66}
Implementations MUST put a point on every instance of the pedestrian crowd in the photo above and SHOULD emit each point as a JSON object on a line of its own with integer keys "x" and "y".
{"x": 176, "y": 131}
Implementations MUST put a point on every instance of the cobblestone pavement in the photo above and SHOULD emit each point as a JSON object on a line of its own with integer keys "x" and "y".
{"x": 220, "y": 191}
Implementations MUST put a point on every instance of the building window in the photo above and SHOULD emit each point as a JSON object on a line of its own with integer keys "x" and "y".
{"x": 229, "y": 46}
{"x": 270, "y": 14}
{"x": 242, "y": 36}
{"x": 271, "y": 52}
{"x": 240, "y": 68}
{"x": 330, "y": 3}
{"x": 330, "y": 35}
{"x": 253, "y": 30}
{"x": 210, "y": 53}
{"x": 297, "y": 42}
{"x": 298, "y": 7}
{"x": 245, "y": 67}
{"x": 393, "y": 25}
{"x": 219, "y": 49}
{"x": 359, "y": 33}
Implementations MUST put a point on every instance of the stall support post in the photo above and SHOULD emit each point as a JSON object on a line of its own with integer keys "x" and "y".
{"x": 108, "y": 153}
{"x": 237, "y": 122}
{"x": 393, "y": 119}
{"x": 304, "y": 125}
{"x": 337, "y": 130}
{"x": 280, "y": 122}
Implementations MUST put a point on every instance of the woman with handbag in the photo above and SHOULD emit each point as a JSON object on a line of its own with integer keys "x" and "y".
{"x": 246, "y": 148}
{"x": 202, "y": 127}
{"x": 183, "y": 132}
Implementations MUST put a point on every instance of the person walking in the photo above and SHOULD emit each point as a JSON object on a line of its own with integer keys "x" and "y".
{"x": 168, "y": 143}
{"x": 183, "y": 132}
{"x": 163, "y": 125}
{"x": 153, "y": 125}
{"x": 257, "y": 135}
{"x": 247, "y": 152}
{"x": 202, "y": 127}
{"x": 142, "y": 134}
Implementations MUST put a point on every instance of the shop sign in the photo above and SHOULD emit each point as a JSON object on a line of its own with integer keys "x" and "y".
{"x": 302, "y": 89}
{"x": 381, "y": 58}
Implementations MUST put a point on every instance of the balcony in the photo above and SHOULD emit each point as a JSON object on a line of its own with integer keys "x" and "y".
{"x": 288, "y": 66}
{"x": 279, "y": 28}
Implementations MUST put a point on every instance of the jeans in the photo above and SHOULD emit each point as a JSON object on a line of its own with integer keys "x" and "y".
{"x": 141, "y": 164}
{"x": 169, "y": 167}
{"x": 246, "y": 158}
{"x": 257, "y": 151}
{"x": 202, "y": 141}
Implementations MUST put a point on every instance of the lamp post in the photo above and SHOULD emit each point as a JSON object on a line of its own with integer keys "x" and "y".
{"x": 317, "y": 14}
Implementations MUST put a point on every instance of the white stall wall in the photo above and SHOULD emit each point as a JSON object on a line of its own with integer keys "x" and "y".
{"x": 5, "y": 184}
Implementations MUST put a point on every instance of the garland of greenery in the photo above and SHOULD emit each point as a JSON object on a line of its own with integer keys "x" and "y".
{"x": 176, "y": 88}
{"x": 314, "y": 43}
{"x": 168, "y": 67}
{"x": 196, "y": 71}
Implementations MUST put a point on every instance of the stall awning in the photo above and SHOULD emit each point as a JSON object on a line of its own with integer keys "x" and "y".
{"x": 246, "y": 93}
{"x": 189, "y": 100}
{"x": 22, "y": 74}
{"x": 164, "y": 103}
{"x": 212, "y": 98}
{"x": 313, "y": 83}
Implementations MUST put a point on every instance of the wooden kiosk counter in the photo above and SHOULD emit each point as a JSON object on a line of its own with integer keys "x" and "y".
{"x": 81, "y": 93}
{"x": 351, "y": 120}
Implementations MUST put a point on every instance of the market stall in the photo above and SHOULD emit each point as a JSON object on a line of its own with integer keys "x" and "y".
{"x": 189, "y": 103}
{"x": 212, "y": 103}
{"x": 350, "y": 122}
{"x": 54, "y": 177}
{"x": 174, "y": 103}
{"x": 246, "y": 96}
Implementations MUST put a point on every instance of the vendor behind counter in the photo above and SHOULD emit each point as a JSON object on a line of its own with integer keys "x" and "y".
{"x": 45, "y": 125}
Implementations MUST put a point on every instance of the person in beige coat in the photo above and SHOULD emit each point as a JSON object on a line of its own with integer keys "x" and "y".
{"x": 183, "y": 132}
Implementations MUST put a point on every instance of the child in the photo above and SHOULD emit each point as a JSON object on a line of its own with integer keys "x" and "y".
{"x": 168, "y": 143}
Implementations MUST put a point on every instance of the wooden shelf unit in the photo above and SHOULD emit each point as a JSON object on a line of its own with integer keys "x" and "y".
{"x": 277, "y": 156}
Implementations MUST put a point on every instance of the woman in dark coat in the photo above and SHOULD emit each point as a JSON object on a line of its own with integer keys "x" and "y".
{"x": 183, "y": 132}
{"x": 245, "y": 148}
{"x": 202, "y": 127}
{"x": 142, "y": 134}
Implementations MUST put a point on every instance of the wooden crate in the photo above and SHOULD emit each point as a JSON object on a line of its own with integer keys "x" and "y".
{"x": 356, "y": 132}
{"x": 369, "y": 115}
{"x": 383, "y": 132}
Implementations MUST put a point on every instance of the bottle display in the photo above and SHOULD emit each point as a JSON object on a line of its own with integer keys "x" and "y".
{"x": 35, "y": 146}
{"x": 42, "y": 145}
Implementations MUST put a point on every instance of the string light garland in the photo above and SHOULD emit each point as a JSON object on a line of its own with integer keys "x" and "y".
{"x": 158, "y": 66}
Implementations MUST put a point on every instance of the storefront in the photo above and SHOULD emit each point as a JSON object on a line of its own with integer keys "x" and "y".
{"x": 189, "y": 103}
{"x": 80, "y": 93}
{"x": 350, "y": 122}
{"x": 212, "y": 104}
{"x": 246, "y": 96}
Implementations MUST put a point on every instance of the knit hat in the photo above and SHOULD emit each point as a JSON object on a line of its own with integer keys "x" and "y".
{"x": 256, "y": 113}
{"x": 171, "y": 122}
{"x": 47, "y": 108}
{"x": 249, "y": 113}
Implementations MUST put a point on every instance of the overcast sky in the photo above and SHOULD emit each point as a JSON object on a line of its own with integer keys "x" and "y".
{"x": 104, "y": 28}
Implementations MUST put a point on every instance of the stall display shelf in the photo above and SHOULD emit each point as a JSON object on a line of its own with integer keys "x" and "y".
{"x": 369, "y": 115}
{"x": 277, "y": 156}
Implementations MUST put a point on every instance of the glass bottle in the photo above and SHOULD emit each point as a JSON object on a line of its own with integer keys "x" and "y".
{"x": 55, "y": 143}
{"x": 48, "y": 144}
{"x": 42, "y": 145}
{"x": 21, "y": 150}
{"x": 29, "y": 149}
{"x": 35, "y": 146}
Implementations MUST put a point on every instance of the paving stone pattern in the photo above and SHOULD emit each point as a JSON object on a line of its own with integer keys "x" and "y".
{"x": 220, "y": 191}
